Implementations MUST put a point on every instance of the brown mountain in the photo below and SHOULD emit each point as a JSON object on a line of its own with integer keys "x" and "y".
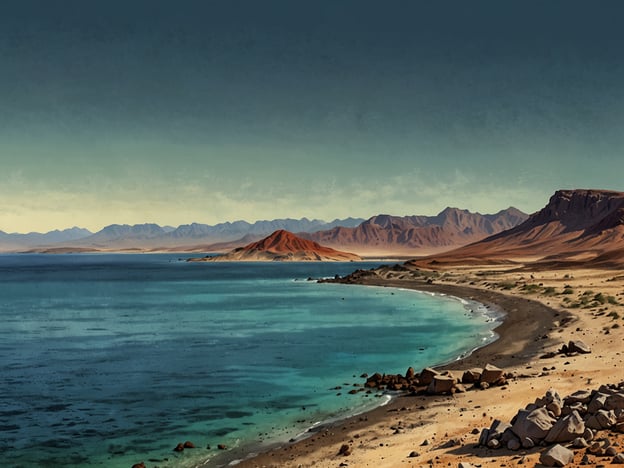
{"x": 284, "y": 246}
{"x": 575, "y": 227}
{"x": 418, "y": 234}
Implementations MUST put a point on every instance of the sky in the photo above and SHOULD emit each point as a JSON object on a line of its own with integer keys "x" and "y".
{"x": 210, "y": 111}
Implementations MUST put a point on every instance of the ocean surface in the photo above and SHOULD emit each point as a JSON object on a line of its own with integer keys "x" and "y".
{"x": 108, "y": 360}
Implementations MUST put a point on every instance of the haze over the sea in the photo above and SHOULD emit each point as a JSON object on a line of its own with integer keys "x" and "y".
{"x": 174, "y": 112}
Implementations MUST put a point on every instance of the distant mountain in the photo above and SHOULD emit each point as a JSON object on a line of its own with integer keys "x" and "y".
{"x": 282, "y": 245}
{"x": 582, "y": 226}
{"x": 409, "y": 234}
{"x": 193, "y": 236}
{"x": 16, "y": 241}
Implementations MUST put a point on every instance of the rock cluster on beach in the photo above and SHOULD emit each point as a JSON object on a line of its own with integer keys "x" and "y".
{"x": 435, "y": 382}
{"x": 576, "y": 421}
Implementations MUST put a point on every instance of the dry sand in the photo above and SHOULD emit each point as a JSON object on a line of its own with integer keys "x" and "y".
{"x": 438, "y": 430}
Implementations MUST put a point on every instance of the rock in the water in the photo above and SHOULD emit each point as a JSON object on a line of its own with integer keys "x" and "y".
{"x": 557, "y": 455}
{"x": 222, "y": 447}
{"x": 410, "y": 374}
{"x": 179, "y": 447}
{"x": 566, "y": 429}
{"x": 577, "y": 346}
{"x": 533, "y": 424}
{"x": 139, "y": 465}
{"x": 491, "y": 374}
{"x": 189, "y": 444}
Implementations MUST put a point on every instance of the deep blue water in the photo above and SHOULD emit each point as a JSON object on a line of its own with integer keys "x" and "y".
{"x": 107, "y": 360}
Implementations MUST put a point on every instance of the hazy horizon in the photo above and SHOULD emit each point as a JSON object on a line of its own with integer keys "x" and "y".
{"x": 132, "y": 112}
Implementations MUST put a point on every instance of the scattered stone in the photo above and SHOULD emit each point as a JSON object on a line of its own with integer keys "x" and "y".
{"x": 618, "y": 459}
{"x": 189, "y": 444}
{"x": 345, "y": 450}
{"x": 557, "y": 455}
{"x": 222, "y": 447}
{"x": 425, "y": 442}
{"x": 577, "y": 346}
{"x": 611, "y": 451}
{"x": 427, "y": 375}
{"x": 464, "y": 465}
{"x": 533, "y": 424}
{"x": 413, "y": 454}
{"x": 514, "y": 444}
{"x": 493, "y": 444}
{"x": 579, "y": 442}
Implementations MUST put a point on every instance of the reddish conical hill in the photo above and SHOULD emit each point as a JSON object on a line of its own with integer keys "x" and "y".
{"x": 284, "y": 246}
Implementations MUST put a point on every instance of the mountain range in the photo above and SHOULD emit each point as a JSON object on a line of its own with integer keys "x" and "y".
{"x": 381, "y": 234}
{"x": 576, "y": 227}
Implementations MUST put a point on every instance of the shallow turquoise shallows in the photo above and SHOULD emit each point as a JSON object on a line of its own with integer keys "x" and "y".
{"x": 108, "y": 360}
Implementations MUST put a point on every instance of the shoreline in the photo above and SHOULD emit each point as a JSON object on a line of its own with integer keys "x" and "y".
{"x": 521, "y": 324}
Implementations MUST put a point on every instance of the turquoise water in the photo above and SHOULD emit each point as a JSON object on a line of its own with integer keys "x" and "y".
{"x": 108, "y": 360}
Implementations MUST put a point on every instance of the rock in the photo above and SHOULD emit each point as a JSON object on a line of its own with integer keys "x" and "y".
{"x": 222, "y": 447}
{"x": 484, "y": 385}
{"x": 491, "y": 374}
{"x": 579, "y": 442}
{"x": 179, "y": 447}
{"x": 344, "y": 450}
{"x": 441, "y": 384}
{"x": 471, "y": 376}
{"x": 595, "y": 448}
{"x": 410, "y": 374}
{"x": 615, "y": 402}
{"x": 139, "y": 465}
{"x": 588, "y": 435}
{"x": 464, "y": 465}
{"x": 413, "y": 454}
{"x": 533, "y": 424}
{"x": 554, "y": 408}
{"x": 597, "y": 403}
{"x": 603, "y": 419}
{"x": 514, "y": 444}
{"x": 551, "y": 396}
{"x": 577, "y": 346}
{"x": 611, "y": 451}
{"x": 566, "y": 429}
{"x": 580, "y": 396}
{"x": 425, "y": 443}
{"x": 557, "y": 455}
{"x": 484, "y": 437}
{"x": 189, "y": 444}
{"x": 427, "y": 375}
{"x": 497, "y": 428}
{"x": 527, "y": 443}
{"x": 618, "y": 459}
{"x": 493, "y": 443}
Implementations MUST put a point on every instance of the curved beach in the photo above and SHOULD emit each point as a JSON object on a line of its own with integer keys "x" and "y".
{"x": 518, "y": 342}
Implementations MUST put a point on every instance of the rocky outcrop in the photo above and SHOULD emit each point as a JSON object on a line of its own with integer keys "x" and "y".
{"x": 575, "y": 420}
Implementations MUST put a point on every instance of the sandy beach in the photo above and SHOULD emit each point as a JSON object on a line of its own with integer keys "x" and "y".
{"x": 544, "y": 309}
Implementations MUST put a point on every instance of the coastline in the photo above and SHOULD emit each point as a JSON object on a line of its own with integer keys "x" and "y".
{"x": 518, "y": 341}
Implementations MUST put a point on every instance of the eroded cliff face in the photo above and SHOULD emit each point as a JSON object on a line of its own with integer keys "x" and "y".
{"x": 582, "y": 226}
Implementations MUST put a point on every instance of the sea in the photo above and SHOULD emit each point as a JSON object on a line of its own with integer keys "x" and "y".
{"x": 107, "y": 360}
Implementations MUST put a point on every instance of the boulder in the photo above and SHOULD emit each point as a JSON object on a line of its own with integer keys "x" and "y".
{"x": 441, "y": 384}
{"x": 491, "y": 374}
{"x": 566, "y": 429}
{"x": 580, "y": 396}
{"x": 615, "y": 402}
{"x": 577, "y": 346}
{"x": 344, "y": 450}
{"x": 497, "y": 428}
{"x": 139, "y": 465}
{"x": 597, "y": 403}
{"x": 618, "y": 459}
{"x": 514, "y": 444}
{"x": 551, "y": 396}
{"x": 471, "y": 376}
{"x": 179, "y": 447}
{"x": 189, "y": 444}
{"x": 484, "y": 437}
{"x": 602, "y": 419}
{"x": 427, "y": 375}
{"x": 410, "y": 374}
{"x": 557, "y": 455}
{"x": 533, "y": 424}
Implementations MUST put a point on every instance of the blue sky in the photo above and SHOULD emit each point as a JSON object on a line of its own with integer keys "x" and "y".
{"x": 207, "y": 111}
